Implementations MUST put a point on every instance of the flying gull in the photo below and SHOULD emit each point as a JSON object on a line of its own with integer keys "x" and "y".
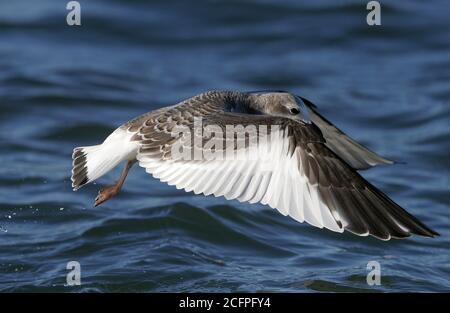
{"x": 307, "y": 167}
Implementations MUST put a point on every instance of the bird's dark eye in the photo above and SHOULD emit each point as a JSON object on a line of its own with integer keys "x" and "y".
{"x": 295, "y": 111}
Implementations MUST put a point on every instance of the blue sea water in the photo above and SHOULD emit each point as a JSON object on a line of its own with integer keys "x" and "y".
{"x": 65, "y": 86}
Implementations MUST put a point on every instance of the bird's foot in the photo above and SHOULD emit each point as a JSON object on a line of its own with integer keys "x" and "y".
{"x": 105, "y": 194}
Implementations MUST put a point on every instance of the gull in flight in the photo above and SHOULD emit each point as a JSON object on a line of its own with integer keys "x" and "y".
{"x": 307, "y": 169}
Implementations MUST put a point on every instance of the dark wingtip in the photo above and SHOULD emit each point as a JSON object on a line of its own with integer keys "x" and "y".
{"x": 416, "y": 227}
{"x": 429, "y": 233}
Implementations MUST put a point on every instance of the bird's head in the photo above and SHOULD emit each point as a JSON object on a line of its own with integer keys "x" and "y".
{"x": 280, "y": 104}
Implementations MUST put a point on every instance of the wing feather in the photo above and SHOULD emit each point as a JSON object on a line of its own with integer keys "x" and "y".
{"x": 295, "y": 172}
{"x": 352, "y": 152}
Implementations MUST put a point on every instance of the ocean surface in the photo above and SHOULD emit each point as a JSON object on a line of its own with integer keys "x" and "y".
{"x": 65, "y": 86}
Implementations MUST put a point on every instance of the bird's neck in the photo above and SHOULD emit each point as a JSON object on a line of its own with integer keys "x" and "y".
{"x": 242, "y": 102}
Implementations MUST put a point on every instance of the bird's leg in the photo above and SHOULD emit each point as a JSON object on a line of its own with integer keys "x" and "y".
{"x": 110, "y": 191}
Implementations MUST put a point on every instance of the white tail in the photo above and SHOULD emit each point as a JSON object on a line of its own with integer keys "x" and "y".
{"x": 92, "y": 162}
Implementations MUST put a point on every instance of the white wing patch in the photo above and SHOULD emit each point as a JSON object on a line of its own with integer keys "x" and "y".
{"x": 269, "y": 175}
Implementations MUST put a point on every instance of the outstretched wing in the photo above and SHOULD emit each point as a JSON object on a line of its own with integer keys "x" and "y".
{"x": 292, "y": 171}
{"x": 355, "y": 154}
